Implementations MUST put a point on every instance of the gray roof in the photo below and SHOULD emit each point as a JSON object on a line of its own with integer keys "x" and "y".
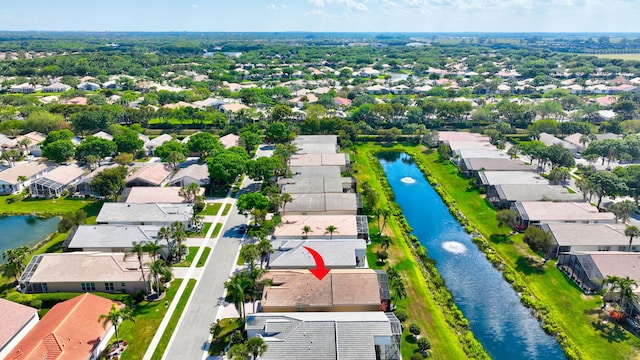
{"x": 534, "y": 192}
{"x": 316, "y": 139}
{"x": 511, "y": 177}
{"x": 290, "y": 254}
{"x": 110, "y": 236}
{"x": 480, "y": 153}
{"x": 318, "y": 336}
{"x": 493, "y": 164}
{"x": 549, "y": 140}
{"x": 317, "y": 148}
{"x": 124, "y": 213}
{"x": 330, "y": 202}
{"x": 197, "y": 172}
{"x": 315, "y": 185}
{"x": 299, "y": 172}
{"x": 577, "y": 234}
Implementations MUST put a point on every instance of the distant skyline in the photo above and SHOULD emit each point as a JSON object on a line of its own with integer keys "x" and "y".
{"x": 323, "y": 15}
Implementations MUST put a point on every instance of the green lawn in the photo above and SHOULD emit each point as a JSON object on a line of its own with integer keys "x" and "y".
{"x": 220, "y": 341}
{"x": 216, "y": 230}
{"x": 148, "y": 316}
{"x": 226, "y": 210}
{"x": 419, "y": 302}
{"x": 171, "y": 326}
{"x": 193, "y": 250}
{"x": 18, "y": 204}
{"x": 203, "y": 258}
{"x": 211, "y": 209}
{"x": 202, "y": 232}
{"x": 575, "y": 312}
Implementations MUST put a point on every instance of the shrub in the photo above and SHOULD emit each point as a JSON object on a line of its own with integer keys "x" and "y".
{"x": 401, "y": 314}
{"x": 424, "y": 344}
{"x": 36, "y": 304}
{"x": 414, "y": 329}
{"x": 416, "y": 356}
{"x": 198, "y": 206}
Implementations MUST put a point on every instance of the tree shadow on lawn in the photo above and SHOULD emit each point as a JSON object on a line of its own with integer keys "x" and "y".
{"x": 500, "y": 239}
{"x": 613, "y": 333}
{"x": 410, "y": 338}
{"x": 528, "y": 266}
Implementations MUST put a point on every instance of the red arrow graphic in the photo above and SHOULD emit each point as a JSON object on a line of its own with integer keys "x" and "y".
{"x": 320, "y": 271}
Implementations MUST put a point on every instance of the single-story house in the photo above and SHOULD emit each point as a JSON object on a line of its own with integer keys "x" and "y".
{"x": 195, "y": 173}
{"x": 56, "y": 181}
{"x": 103, "y": 135}
{"x": 25, "y": 88}
{"x": 70, "y": 330}
{"x": 588, "y": 237}
{"x": 492, "y": 178}
{"x": 574, "y": 139}
{"x": 463, "y": 154}
{"x": 370, "y": 335}
{"x": 316, "y": 185}
{"x": 229, "y": 140}
{"x": 88, "y": 86}
{"x": 546, "y": 212}
{"x": 56, "y": 87}
{"x": 9, "y": 183}
{"x": 503, "y": 196}
{"x": 315, "y": 139}
{"x": 34, "y": 139}
{"x": 459, "y": 145}
{"x": 152, "y": 144}
{"x": 145, "y": 214}
{"x": 301, "y": 172}
{"x": 152, "y": 195}
{"x": 447, "y": 136}
{"x": 232, "y": 108}
{"x": 317, "y": 148}
{"x": 83, "y": 272}
{"x": 324, "y": 204}
{"x": 83, "y": 186}
{"x": 349, "y": 227}
{"x": 17, "y": 320}
{"x": 588, "y": 269}
{"x": 109, "y": 238}
{"x": 333, "y": 159}
{"x": 549, "y": 140}
{"x": 469, "y": 167}
{"x": 156, "y": 174}
{"x": 337, "y": 254}
{"x": 341, "y": 290}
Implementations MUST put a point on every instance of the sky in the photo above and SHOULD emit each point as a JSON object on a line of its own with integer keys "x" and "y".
{"x": 322, "y": 15}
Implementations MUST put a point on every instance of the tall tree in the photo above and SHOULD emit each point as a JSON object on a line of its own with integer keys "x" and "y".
{"x": 265, "y": 248}
{"x": 204, "y": 144}
{"x": 137, "y": 248}
{"x": 16, "y": 261}
{"x": 178, "y": 235}
{"x": 631, "y": 232}
{"x": 159, "y": 270}
{"x": 507, "y": 218}
{"x": 59, "y": 151}
{"x": 256, "y": 347}
{"x": 115, "y": 317}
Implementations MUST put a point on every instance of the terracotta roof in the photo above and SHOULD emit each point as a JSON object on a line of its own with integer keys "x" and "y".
{"x": 69, "y": 331}
{"x": 152, "y": 174}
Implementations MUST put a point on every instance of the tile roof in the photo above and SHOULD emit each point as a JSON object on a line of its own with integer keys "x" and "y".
{"x": 69, "y": 331}
{"x": 10, "y": 176}
{"x": 13, "y": 317}
{"x": 153, "y": 174}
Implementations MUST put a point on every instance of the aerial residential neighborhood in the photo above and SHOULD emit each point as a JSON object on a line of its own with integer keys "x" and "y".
{"x": 319, "y": 196}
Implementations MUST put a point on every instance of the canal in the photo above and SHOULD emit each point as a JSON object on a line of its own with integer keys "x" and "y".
{"x": 24, "y": 230}
{"x": 506, "y": 328}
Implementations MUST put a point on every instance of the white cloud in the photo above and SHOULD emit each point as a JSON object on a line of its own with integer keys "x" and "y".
{"x": 271, "y": 7}
{"x": 349, "y": 4}
{"x": 195, "y": 6}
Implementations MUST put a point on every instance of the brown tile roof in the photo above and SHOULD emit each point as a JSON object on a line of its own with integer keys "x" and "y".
{"x": 69, "y": 331}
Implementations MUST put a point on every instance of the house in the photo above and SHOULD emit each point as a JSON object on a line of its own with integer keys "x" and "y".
{"x": 103, "y": 135}
{"x": 575, "y": 140}
{"x": 56, "y": 181}
{"x": 372, "y": 335}
{"x": 151, "y": 175}
{"x": 109, "y": 238}
{"x": 332, "y": 159}
{"x": 152, "y": 195}
{"x": 301, "y": 172}
{"x": 195, "y": 173}
{"x": 232, "y": 108}
{"x": 549, "y": 140}
{"x": 88, "y": 86}
{"x": 9, "y": 183}
{"x": 70, "y": 330}
{"x": 56, "y": 87}
{"x": 446, "y": 136}
{"x": 341, "y": 102}
{"x": 588, "y": 237}
{"x": 83, "y": 272}
{"x": 341, "y": 290}
{"x": 460, "y": 154}
{"x": 337, "y": 254}
{"x": 378, "y": 90}
{"x": 503, "y": 196}
{"x": 152, "y": 144}
{"x": 348, "y": 227}
{"x": 33, "y": 140}
{"x": 25, "y": 88}
{"x": 159, "y": 214}
{"x": 469, "y": 167}
{"x": 17, "y": 320}
{"x": 545, "y": 212}
{"x": 492, "y": 178}
{"x": 324, "y": 204}
{"x": 312, "y": 185}
{"x": 589, "y": 269}
{"x": 78, "y": 100}
{"x": 229, "y": 140}
{"x": 83, "y": 186}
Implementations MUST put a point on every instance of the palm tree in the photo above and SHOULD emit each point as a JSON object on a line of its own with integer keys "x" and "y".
{"x": 21, "y": 180}
{"x": 627, "y": 286}
{"x": 305, "y": 231}
{"x": 239, "y": 352}
{"x": 264, "y": 248}
{"x": 250, "y": 253}
{"x": 385, "y": 241}
{"x": 153, "y": 248}
{"x": 159, "y": 269}
{"x": 24, "y": 143}
{"x": 256, "y": 347}
{"x": 165, "y": 234}
{"x": 285, "y": 198}
{"x": 331, "y": 230}
{"x": 190, "y": 192}
{"x": 623, "y": 209}
{"x": 237, "y": 286}
{"x": 16, "y": 261}
{"x": 631, "y": 232}
{"x": 384, "y": 213}
{"x": 115, "y": 317}
{"x": 178, "y": 235}
{"x": 138, "y": 249}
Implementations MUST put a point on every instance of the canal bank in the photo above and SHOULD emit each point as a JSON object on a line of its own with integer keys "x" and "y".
{"x": 499, "y": 321}
{"x": 25, "y": 230}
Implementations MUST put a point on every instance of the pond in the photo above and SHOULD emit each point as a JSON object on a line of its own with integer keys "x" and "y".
{"x": 506, "y": 328}
{"x": 24, "y": 230}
